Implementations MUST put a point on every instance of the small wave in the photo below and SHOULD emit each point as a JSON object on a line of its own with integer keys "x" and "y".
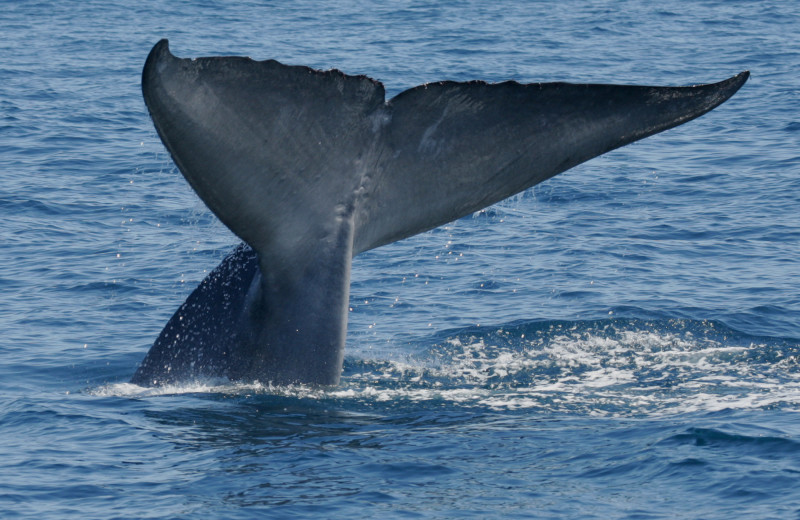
{"x": 718, "y": 438}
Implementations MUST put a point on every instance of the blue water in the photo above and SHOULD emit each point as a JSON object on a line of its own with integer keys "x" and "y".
{"x": 621, "y": 341}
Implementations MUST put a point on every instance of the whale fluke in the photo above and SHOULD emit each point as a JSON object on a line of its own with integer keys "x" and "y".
{"x": 310, "y": 168}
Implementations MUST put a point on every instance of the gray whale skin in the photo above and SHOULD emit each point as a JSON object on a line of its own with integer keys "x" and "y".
{"x": 310, "y": 168}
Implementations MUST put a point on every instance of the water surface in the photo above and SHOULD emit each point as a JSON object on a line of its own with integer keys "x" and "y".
{"x": 621, "y": 341}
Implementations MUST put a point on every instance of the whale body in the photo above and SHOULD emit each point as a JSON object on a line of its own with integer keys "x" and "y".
{"x": 310, "y": 168}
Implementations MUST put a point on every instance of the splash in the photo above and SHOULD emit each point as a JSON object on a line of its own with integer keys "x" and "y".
{"x": 611, "y": 367}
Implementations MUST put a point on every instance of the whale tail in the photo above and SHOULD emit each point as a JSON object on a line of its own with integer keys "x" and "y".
{"x": 312, "y": 167}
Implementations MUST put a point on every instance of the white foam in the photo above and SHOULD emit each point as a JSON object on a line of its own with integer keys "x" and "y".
{"x": 195, "y": 387}
{"x": 630, "y": 372}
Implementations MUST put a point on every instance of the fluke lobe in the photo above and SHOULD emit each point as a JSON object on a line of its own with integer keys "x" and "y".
{"x": 312, "y": 167}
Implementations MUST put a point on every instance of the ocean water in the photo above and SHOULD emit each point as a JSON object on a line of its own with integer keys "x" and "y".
{"x": 621, "y": 341}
